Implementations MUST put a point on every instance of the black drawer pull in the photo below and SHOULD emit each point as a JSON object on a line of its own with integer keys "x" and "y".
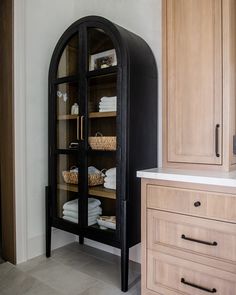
{"x": 198, "y": 287}
{"x": 217, "y": 140}
{"x": 197, "y": 204}
{"x": 199, "y": 241}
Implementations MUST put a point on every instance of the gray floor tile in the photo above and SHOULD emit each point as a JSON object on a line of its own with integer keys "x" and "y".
{"x": 104, "y": 289}
{"x": 106, "y": 272}
{"x": 62, "y": 278}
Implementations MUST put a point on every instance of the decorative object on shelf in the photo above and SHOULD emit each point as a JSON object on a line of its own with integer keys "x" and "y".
{"x": 75, "y": 109}
{"x": 95, "y": 176}
{"x": 71, "y": 212}
{"x": 107, "y": 222}
{"x": 108, "y": 104}
{"x": 63, "y": 95}
{"x": 110, "y": 179}
{"x": 100, "y": 142}
{"x": 103, "y": 60}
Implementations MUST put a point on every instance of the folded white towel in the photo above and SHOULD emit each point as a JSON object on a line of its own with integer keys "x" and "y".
{"x": 110, "y": 185}
{"x": 108, "y": 98}
{"x": 73, "y": 205}
{"x": 107, "y": 104}
{"x": 107, "y": 110}
{"x": 96, "y": 210}
{"x": 111, "y": 172}
{"x": 76, "y": 215}
{"x": 75, "y": 220}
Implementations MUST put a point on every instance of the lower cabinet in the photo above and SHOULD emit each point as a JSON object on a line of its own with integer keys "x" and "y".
{"x": 187, "y": 249}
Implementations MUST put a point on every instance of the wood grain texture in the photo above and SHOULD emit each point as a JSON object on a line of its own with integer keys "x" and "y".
{"x": 167, "y": 229}
{"x": 7, "y": 131}
{"x": 194, "y": 75}
{"x": 167, "y": 271}
{"x": 213, "y": 205}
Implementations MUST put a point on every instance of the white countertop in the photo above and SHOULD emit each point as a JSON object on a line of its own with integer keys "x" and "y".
{"x": 201, "y": 177}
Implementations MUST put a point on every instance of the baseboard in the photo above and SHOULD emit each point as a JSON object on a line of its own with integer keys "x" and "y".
{"x": 134, "y": 255}
{"x": 36, "y": 245}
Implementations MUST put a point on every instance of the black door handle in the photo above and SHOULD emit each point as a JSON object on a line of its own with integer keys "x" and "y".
{"x": 199, "y": 241}
{"x": 217, "y": 140}
{"x": 198, "y": 287}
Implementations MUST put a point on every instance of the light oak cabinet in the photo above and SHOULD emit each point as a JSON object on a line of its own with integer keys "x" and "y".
{"x": 188, "y": 243}
{"x": 199, "y": 63}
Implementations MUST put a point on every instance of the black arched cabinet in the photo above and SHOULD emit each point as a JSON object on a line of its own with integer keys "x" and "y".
{"x": 102, "y": 117}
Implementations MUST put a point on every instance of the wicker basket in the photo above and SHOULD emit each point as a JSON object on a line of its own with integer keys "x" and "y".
{"x": 72, "y": 178}
{"x": 100, "y": 142}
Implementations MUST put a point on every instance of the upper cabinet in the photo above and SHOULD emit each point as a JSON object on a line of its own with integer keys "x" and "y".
{"x": 199, "y": 77}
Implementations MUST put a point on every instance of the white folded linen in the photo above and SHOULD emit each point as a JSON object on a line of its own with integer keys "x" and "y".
{"x": 107, "y": 104}
{"x": 111, "y": 172}
{"x": 108, "y": 98}
{"x": 107, "y": 110}
{"x": 76, "y": 215}
{"x": 75, "y": 220}
{"x": 110, "y": 185}
{"x": 73, "y": 205}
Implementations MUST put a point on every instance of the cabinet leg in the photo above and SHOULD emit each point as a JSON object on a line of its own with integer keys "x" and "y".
{"x": 48, "y": 224}
{"x": 81, "y": 240}
{"x": 124, "y": 269}
{"x": 124, "y": 250}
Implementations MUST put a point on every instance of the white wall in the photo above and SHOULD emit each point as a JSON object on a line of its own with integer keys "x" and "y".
{"x": 38, "y": 25}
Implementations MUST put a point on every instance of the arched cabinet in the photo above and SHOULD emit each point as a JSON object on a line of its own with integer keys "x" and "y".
{"x": 102, "y": 129}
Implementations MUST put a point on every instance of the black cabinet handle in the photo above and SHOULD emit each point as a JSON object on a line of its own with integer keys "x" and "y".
{"x": 197, "y": 204}
{"x": 217, "y": 140}
{"x": 199, "y": 241}
{"x": 198, "y": 287}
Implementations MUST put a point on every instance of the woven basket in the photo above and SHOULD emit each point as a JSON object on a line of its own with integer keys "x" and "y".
{"x": 100, "y": 142}
{"x": 72, "y": 178}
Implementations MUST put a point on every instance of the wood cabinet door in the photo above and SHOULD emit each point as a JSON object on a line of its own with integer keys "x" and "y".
{"x": 193, "y": 80}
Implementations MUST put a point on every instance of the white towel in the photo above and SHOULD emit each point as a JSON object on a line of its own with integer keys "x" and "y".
{"x": 75, "y": 220}
{"x": 110, "y": 185}
{"x": 108, "y": 98}
{"x": 111, "y": 172}
{"x": 107, "y": 110}
{"x": 73, "y": 205}
{"x": 76, "y": 215}
{"x": 96, "y": 210}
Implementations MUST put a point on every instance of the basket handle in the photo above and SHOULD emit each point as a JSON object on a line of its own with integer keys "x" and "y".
{"x": 98, "y": 134}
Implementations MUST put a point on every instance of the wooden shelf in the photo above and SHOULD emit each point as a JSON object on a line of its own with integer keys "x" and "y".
{"x": 91, "y": 115}
{"x": 102, "y": 114}
{"x": 67, "y": 117}
{"x": 98, "y": 191}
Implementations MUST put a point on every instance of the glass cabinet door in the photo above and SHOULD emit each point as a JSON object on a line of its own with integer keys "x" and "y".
{"x": 102, "y": 132}
{"x": 67, "y": 133}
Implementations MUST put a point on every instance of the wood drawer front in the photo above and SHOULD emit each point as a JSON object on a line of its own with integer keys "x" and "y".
{"x": 168, "y": 271}
{"x": 213, "y": 205}
{"x": 169, "y": 228}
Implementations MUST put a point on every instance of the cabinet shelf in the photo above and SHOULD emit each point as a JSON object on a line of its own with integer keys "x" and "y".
{"x": 98, "y": 191}
{"x": 102, "y": 72}
{"x": 91, "y": 115}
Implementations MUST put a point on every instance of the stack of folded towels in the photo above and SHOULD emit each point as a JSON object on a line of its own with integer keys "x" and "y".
{"x": 108, "y": 104}
{"x": 110, "y": 179}
{"x": 70, "y": 211}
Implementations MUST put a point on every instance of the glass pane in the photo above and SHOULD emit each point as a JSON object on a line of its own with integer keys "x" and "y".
{"x": 102, "y": 191}
{"x": 102, "y": 93}
{"x": 101, "y": 50}
{"x": 68, "y": 64}
{"x": 67, "y": 115}
{"x": 67, "y": 188}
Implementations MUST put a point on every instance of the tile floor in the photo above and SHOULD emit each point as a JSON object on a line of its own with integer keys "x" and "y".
{"x": 72, "y": 270}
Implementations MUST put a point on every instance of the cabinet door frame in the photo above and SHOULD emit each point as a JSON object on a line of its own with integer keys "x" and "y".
{"x": 170, "y": 157}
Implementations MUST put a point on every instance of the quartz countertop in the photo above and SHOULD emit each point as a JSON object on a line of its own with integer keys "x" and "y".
{"x": 201, "y": 177}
